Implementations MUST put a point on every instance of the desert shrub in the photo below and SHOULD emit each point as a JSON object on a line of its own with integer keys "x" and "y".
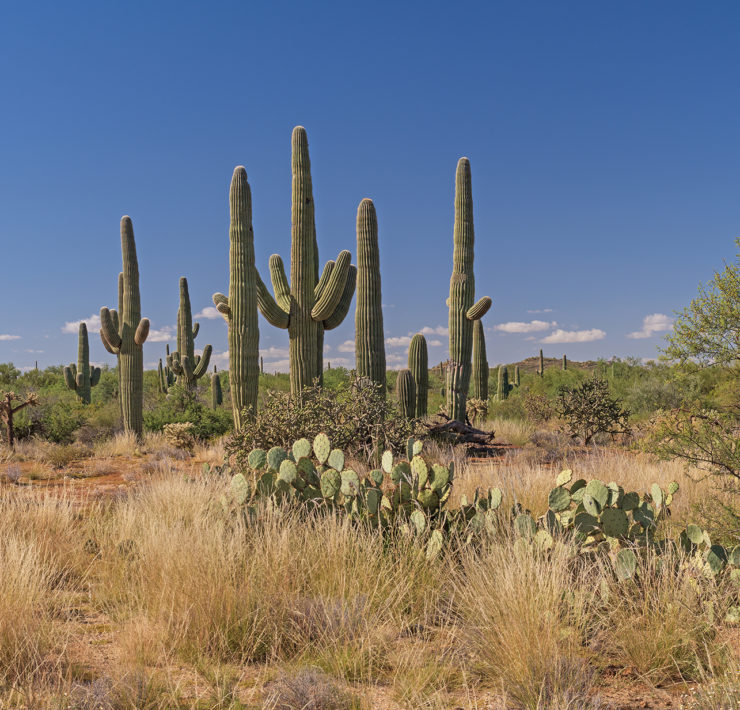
{"x": 539, "y": 407}
{"x": 589, "y": 409}
{"x": 356, "y": 416}
{"x": 182, "y": 406}
{"x": 61, "y": 455}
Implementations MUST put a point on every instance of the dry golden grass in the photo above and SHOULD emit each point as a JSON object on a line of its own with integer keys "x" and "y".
{"x": 163, "y": 599}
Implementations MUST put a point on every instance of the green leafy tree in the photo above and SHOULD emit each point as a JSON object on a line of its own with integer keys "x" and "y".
{"x": 707, "y": 333}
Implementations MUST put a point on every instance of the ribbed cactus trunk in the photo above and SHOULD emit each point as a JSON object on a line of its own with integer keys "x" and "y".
{"x": 124, "y": 334}
{"x": 503, "y": 383}
{"x": 541, "y": 371}
{"x": 308, "y": 305}
{"x": 188, "y": 367}
{"x": 161, "y": 378}
{"x": 82, "y": 377}
{"x": 406, "y": 393}
{"x": 463, "y": 309}
{"x": 419, "y": 367}
{"x": 517, "y": 380}
{"x": 240, "y": 308}
{"x": 217, "y": 397}
{"x": 369, "y": 340}
{"x": 480, "y": 363}
{"x": 565, "y": 363}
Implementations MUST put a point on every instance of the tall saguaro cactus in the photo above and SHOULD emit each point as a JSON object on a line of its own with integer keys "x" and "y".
{"x": 124, "y": 333}
{"x": 240, "y": 308}
{"x": 81, "y": 377}
{"x": 188, "y": 367}
{"x": 464, "y": 311}
{"x": 503, "y": 383}
{"x": 217, "y": 396}
{"x": 406, "y": 393}
{"x": 480, "y": 363}
{"x": 308, "y": 305}
{"x": 419, "y": 366}
{"x": 369, "y": 340}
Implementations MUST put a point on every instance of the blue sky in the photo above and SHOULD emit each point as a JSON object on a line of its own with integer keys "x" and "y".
{"x": 602, "y": 137}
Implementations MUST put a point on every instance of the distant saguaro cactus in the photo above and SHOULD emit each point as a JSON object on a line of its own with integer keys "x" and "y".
{"x": 406, "y": 393}
{"x": 162, "y": 378}
{"x": 517, "y": 380}
{"x": 565, "y": 363}
{"x": 217, "y": 396}
{"x": 308, "y": 305}
{"x": 541, "y": 371}
{"x": 188, "y": 367}
{"x": 503, "y": 383}
{"x": 240, "y": 307}
{"x": 480, "y": 363}
{"x": 369, "y": 340}
{"x": 419, "y": 366}
{"x": 463, "y": 310}
{"x": 81, "y": 377}
{"x": 124, "y": 333}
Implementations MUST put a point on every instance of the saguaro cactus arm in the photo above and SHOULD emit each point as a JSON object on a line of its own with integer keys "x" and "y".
{"x": 108, "y": 332}
{"x": 280, "y": 285}
{"x": 332, "y": 293}
{"x": 142, "y": 331}
{"x": 479, "y": 309}
{"x": 70, "y": 376}
{"x": 345, "y": 301}
{"x": 268, "y": 307}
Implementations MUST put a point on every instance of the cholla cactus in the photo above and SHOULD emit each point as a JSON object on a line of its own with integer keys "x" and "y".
{"x": 464, "y": 311}
{"x": 83, "y": 376}
{"x": 188, "y": 366}
{"x": 308, "y": 305}
{"x": 123, "y": 333}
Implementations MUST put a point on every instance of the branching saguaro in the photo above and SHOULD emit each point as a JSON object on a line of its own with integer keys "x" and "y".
{"x": 82, "y": 376}
{"x": 462, "y": 306}
{"x": 188, "y": 366}
{"x": 240, "y": 307}
{"x": 10, "y": 404}
{"x": 124, "y": 332}
{"x": 308, "y": 305}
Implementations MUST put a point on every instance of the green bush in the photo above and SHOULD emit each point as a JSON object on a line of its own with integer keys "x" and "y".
{"x": 182, "y": 406}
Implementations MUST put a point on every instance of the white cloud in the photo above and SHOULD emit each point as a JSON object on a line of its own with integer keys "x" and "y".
{"x": 402, "y": 341}
{"x": 348, "y": 346}
{"x": 540, "y": 310}
{"x": 273, "y": 352}
{"x": 5, "y": 336}
{"x": 574, "y": 336}
{"x": 327, "y": 347}
{"x": 652, "y": 324}
{"x": 161, "y": 335}
{"x": 395, "y": 359}
{"x": 435, "y": 343}
{"x": 438, "y": 330}
{"x": 221, "y": 360}
{"x": 73, "y": 326}
{"x": 209, "y": 312}
{"x": 341, "y": 361}
{"x": 29, "y": 350}
{"x": 520, "y": 327}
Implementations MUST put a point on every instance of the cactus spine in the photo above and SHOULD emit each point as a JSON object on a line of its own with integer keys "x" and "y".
{"x": 463, "y": 310}
{"x": 124, "y": 333}
{"x": 81, "y": 377}
{"x": 517, "y": 381}
{"x": 565, "y": 363}
{"x": 419, "y": 367}
{"x": 541, "y": 371}
{"x": 406, "y": 393}
{"x": 217, "y": 396}
{"x": 240, "y": 308}
{"x": 503, "y": 383}
{"x": 480, "y": 363}
{"x": 188, "y": 367}
{"x": 369, "y": 341}
{"x": 309, "y": 304}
